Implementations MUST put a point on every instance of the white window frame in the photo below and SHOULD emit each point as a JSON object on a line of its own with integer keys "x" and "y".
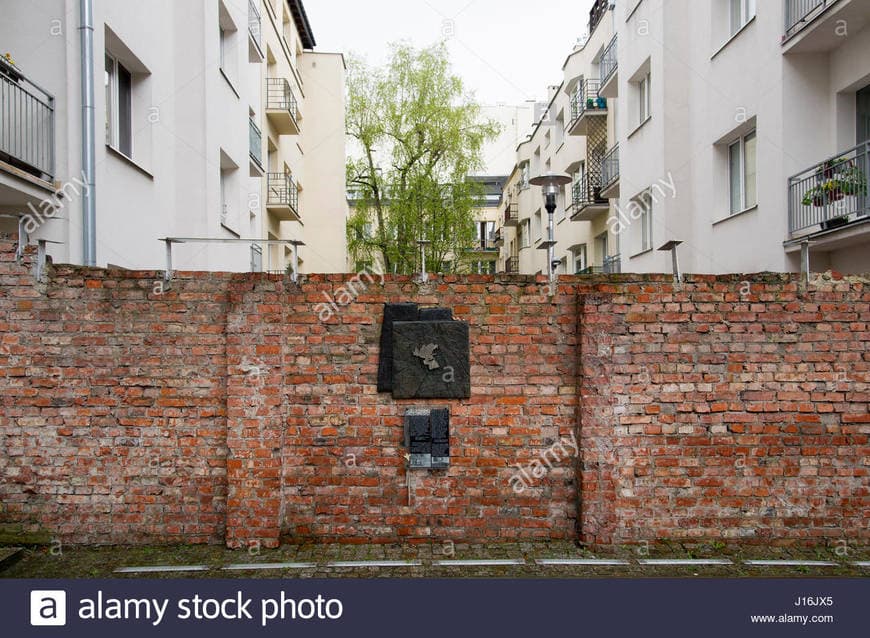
{"x": 113, "y": 105}
{"x": 740, "y": 12}
{"x": 644, "y": 98}
{"x": 525, "y": 232}
{"x": 580, "y": 257}
{"x": 738, "y": 149}
{"x": 645, "y": 203}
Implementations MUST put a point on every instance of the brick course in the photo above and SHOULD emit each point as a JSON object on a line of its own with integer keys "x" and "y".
{"x": 227, "y": 410}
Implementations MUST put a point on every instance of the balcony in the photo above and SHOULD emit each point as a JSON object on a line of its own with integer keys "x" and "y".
{"x": 612, "y": 265}
{"x": 498, "y": 238}
{"x": 610, "y": 174}
{"x": 831, "y": 196}
{"x": 815, "y": 26}
{"x": 255, "y": 148}
{"x": 586, "y": 104}
{"x": 608, "y": 67}
{"x": 512, "y": 265}
{"x": 26, "y": 126}
{"x": 255, "y": 48}
{"x": 511, "y": 215}
{"x": 282, "y": 197}
{"x": 599, "y": 9}
{"x": 282, "y": 110}
{"x": 586, "y": 199}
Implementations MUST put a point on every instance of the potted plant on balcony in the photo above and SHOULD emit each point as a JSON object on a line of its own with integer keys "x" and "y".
{"x": 8, "y": 68}
{"x": 837, "y": 178}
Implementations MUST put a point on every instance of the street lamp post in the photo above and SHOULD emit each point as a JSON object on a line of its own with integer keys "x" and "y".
{"x": 551, "y": 183}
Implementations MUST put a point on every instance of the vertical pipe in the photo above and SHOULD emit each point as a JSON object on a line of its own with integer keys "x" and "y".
{"x": 89, "y": 230}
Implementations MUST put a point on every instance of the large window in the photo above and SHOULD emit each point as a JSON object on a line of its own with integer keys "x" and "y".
{"x": 742, "y": 173}
{"x": 742, "y": 11}
{"x": 119, "y": 106}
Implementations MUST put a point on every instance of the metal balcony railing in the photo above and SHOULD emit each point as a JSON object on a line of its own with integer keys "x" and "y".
{"x": 597, "y": 13}
{"x": 610, "y": 167}
{"x": 609, "y": 61}
{"x": 586, "y": 191}
{"x": 512, "y": 264}
{"x": 282, "y": 191}
{"x": 279, "y": 96}
{"x": 255, "y": 143}
{"x": 587, "y": 99}
{"x": 800, "y": 13}
{"x": 831, "y": 193}
{"x": 26, "y": 123}
{"x": 511, "y": 215}
{"x": 591, "y": 270}
{"x": 612, "y": 265}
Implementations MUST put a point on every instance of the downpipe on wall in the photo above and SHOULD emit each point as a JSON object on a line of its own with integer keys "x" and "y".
{"x": 89, "y": 215}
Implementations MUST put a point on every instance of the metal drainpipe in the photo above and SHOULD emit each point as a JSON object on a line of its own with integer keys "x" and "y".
{"x": 89, "y": 214}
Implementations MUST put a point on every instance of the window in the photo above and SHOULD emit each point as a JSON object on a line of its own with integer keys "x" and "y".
{"x": 644, "y": 99}
{"x": 227, "y": 32}
{"x": 523, "y": 232}
{"x": 742, "y": 173}
{"x": 537, "y": 227}
{"x": 645, "y": 224}
{"x": 742, "y": 11}
{"x": 119, "y": 109}
{"x": 601, "y": 247}
{"x": 580, "y": 258}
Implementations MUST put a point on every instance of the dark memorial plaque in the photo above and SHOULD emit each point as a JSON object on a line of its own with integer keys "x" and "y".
{"x": 392, "y": 312}
{"x": 418, "y": 438}
{"x": 431, "y": 360}
{"x": 427, "y": 437}
{"x": 439, "y": 421}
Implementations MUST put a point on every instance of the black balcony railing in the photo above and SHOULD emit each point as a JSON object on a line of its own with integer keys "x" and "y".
{"x": 512, "y": 264}
{"x": 586, "y": 99}
{"x": 597, "y": 13}
{"x": 586, "y": 192}
{"x": 511, "y": 215}
{"x": 610, "y": 167}
{"x": 282, "y": 191}
{"x": 832, "y": 193}
{"x": 26, "y": 123}
{"x": 609, "y": 61}
{"x": 800, "y": 13}
{"x": 255, "y": 143}
{"x": 280, "y": 97}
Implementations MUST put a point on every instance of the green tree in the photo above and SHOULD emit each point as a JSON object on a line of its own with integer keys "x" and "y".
{"x": 417, "y": 135}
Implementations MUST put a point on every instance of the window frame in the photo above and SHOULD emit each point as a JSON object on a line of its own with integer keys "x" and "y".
{"x": 743, "y": 173}
{"x": 745, "y": 11}
{"x": 117, "y": 127}
{"x": 644, "y": 98}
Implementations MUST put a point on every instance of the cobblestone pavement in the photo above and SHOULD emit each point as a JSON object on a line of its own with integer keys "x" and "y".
{"x": 436, "y": 560}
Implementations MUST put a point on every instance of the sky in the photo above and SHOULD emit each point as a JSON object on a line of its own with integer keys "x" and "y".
{"x": 506, "y": 51}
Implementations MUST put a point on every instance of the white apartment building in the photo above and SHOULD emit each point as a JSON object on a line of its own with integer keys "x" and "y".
{"x": 212, "y": 119}
{"x": 739, "y": 128}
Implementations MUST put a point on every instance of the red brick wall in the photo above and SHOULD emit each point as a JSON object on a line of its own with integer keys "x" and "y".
{"x": 226, "y": 409}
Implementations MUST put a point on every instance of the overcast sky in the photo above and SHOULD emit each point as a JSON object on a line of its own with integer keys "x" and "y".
{"x": 506, "y": 51}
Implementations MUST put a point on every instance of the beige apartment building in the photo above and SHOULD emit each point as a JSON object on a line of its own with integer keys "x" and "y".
{"x": 739, "y": 128}
{"x": 124, "y": 123}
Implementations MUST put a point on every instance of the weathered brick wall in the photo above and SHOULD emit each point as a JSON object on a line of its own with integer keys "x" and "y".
{"x": 243, "y": 408}
{"x": 727, "y": 409}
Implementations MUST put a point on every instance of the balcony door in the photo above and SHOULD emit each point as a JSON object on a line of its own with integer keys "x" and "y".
{"x": 863, "y": 110}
